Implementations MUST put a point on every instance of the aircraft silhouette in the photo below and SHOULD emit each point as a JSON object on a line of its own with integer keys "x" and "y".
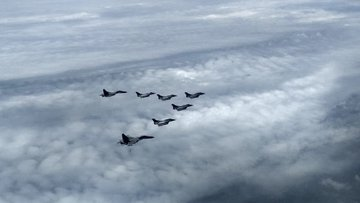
{"x": 110, "y": 94}
{"x": 180, "y": 108}
{"x": 128, "y": 140}
{"x": 162, "y": 122}
{"x": 167, "y": 97}
{"x": 138, "y": 94}
{"x": 193, "y": 96}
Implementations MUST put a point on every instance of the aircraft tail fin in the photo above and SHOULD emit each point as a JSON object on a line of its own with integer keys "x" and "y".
{"x": 125, "y": 138}
{"x": 155, "y": 121}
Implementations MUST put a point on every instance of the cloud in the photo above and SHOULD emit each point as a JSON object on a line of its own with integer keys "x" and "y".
{"x": 357, "y": 178}
{"x": 281, "y": 105}
{"x": 242, "y": 14}
{"x": 328, "y": 182}
{"x": 54, "y": 18}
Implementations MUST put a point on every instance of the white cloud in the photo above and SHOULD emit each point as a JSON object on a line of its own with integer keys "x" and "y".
{"x": 357, "y": 178}
{"x": 267, "y": 118}
{"x": 50, "y": 18}
{"x": 239, "y": 14}
{"x": 328, "y": 182}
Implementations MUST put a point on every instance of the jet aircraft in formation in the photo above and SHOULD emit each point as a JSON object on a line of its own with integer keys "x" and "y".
{"x": 181, "y": 107}
{"x": 110, "y": 94}
{"x": 162, "y": 122}
{"x": 193, "y": 96}
{"x": 138, "y": 94}
{"x": 167, "y": 97}
{"x": 128, "y": 140}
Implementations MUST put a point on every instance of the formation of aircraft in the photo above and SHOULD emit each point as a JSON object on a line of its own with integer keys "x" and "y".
{"x": 129, "y": 140}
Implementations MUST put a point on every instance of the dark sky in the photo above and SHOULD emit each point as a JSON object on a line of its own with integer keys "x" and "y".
{"x": 279, "y": 121}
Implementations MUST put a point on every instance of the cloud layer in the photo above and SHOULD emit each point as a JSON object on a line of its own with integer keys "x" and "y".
{"x": 279, "y": 120}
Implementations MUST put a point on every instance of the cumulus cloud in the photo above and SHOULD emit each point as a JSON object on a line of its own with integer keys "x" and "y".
{"x": 280, "y": 113}
{"x": 328, "y": 182}
{"x": 357, "y": 178}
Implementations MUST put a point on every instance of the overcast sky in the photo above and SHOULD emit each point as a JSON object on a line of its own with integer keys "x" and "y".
{"x": 279, "y": 121}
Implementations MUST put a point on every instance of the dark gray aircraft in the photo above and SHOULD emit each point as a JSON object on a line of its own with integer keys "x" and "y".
{"x": 162, "y": 122}
{"x": 193, "y": 96}
{"x": 180, "y": 108}
{"x": 167, "y": 97}
{"x": 128, "y": 140}
{"x": 110, "y": 94}
{"x": 138, "y": 94}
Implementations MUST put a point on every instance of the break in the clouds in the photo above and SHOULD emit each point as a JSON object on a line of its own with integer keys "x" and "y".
{"x": 279, "y": 121}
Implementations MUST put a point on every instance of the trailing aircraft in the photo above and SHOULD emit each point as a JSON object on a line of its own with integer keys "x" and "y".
{"x": 110, "y": 94}
{"x": 128, "y": 140}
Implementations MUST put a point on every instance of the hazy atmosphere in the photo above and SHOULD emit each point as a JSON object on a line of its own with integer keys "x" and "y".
{"x": 279, "y": 121}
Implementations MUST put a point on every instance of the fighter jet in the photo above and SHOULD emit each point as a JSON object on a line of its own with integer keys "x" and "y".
{"x": 162, "y": 122}
{"x": 128, "y": 140}
{"x": 138, "y": 94}
{"x": 180, "y": 108}
{"x": 193, "y": 96}
{"x": 167, "y": 97}
{"x": 110, "y": 94}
